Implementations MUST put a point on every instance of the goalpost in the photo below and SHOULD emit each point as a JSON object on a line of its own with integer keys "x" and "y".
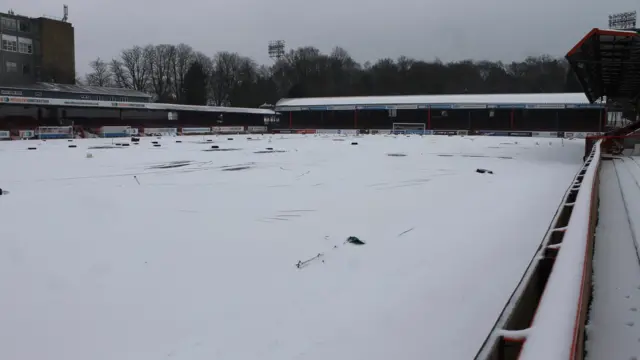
{"x": 54, "y": 132}
{"x": 409, "y": 128}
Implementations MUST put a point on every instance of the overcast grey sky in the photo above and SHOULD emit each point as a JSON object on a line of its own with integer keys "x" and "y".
{"x": 369, "y": 29}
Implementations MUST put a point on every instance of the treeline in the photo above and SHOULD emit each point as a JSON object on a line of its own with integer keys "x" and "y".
{"x": 179, "y": 74}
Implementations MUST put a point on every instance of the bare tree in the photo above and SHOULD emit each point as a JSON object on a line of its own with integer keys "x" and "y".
{"x": 78, "y": 79}
{"x": 121, "y": 77}
{"x": 207, "y": 69}
{"x": 136, "y": 65}
{"x": 101, "y": 74}
{"x": 226, "y": 71}
{"x": 180, "y": 64}
{"x": 160, "y": 60}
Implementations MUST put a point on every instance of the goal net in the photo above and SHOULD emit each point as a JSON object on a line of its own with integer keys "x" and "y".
{"x": 54, "y": 132}
{"x": 409, "y": 128}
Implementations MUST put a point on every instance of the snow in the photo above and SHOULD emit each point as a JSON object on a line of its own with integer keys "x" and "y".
{"x": 613, "y": 330}
{"x": 552, "y": 333}
{"x": 197, "y": 262}
{"x": 559, "y": 99}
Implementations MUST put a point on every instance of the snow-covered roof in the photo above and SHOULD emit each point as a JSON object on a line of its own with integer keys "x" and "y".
{"x": 21, "y": 100}
{"x": 480, "y": 99}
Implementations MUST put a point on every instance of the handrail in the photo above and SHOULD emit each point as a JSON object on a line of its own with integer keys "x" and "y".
{"x": 557, "y": 329}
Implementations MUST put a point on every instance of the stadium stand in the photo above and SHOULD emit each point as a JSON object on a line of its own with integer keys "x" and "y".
{"x": 75, "y": 92}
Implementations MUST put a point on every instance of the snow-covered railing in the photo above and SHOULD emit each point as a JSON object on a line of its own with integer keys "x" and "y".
{"x": 513, "y": 327}
{"x": 557, "y": 331}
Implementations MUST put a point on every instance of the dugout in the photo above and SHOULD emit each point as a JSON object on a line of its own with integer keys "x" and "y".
{"x": 517, "y": 112}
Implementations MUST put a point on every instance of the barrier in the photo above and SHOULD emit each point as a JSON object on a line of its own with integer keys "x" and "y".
{"x": 5, "y": 135}
{"x": 545, "y": 134}
{"x": 328, "y": 131}
{"x": 506, "y": 133}
{"x": 161, "y": 131}
{"x": 445, "y": 132}
{"x": 55, "y": 132}
{"x": 196, "y": 131}
{"x": 384, "y": 131}
{"x": 26, "y": 134}
{"x": 555, "y": 284}
{"x": 227, "y": 129}
{"x": 350, "y": 132}
{"x": 257, "y": 129}
{"x": 579, "y": 135}
{"x": 115, "y": 131}
{"x": 557, "y": 331}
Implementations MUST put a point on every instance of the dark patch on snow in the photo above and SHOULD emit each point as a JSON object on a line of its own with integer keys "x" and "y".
{"x": 171, "y": 165}
{"x": 396, "y": 154}
{"x": 268, "y": 151}
{"x": 217, "y": 149}
{"x": 354, "y": 240}
{"x": 104, "y": 147}
{"x": 237, "y": 168}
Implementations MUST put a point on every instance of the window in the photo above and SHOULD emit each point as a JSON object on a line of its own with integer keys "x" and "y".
{"x": 9, "y": 24}
{"x": 12, "y": 67}
{"x": 25, "y": 45}
{"x": 24, "y": 26}
{"x": 9, "y": 43}
{"x": 26, "y": 69}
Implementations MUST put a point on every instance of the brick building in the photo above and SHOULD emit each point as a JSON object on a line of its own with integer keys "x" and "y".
{"x": 36, "y": 50}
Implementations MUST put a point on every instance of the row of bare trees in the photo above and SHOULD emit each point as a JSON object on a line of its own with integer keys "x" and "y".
{"x": 179, "y": 74}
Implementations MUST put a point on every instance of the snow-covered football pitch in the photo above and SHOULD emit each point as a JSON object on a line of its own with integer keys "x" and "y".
{"x": 187, "y": 252}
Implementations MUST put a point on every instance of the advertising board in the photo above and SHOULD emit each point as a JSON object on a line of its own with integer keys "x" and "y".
{"x": 257, "y": 129}
{"x": 348, "y": 132}
{"x": 161, "y": 131}
{"x": 520, "y": 133}
{"x": 380, "y": 131}
{"x": 545, "y": 134}
{"x": 26, "y": 134}
{"x": 445, "y": 132}
{"x": 227, "y": 129}
{"x": 327, "y": 131}
{"x": 196, "y": 131}
{"x": 5, "y": 134}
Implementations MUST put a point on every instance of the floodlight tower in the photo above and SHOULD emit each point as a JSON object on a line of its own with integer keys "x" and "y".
{"x": 276, "y": 49}
{"x": 623, "y": 21}
{"x": 65, "y": 13}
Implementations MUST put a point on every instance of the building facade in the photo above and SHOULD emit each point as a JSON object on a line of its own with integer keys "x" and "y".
{"x": 36, "y": 49}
